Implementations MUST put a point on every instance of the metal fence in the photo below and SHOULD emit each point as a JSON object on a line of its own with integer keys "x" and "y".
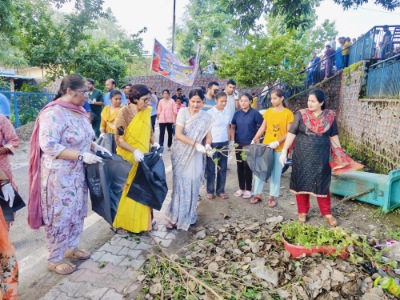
{"x": 26, "y": 106}
{"x": 368, "y": 46}
{"x": 383, "y": 78}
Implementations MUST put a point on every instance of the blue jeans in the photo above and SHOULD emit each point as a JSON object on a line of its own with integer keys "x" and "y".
{"x": 275, "y": 183}
{"x": 222, "y": 167}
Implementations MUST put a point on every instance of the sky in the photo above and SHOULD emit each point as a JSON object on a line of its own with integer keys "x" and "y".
{"x": 156, "y": 15}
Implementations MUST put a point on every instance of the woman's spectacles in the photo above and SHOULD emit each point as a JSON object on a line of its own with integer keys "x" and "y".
{"x": 83, "y": 92}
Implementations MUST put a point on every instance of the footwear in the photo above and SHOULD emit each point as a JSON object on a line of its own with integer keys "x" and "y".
{"x": 63, "y": 267}
{"x": 170, "y": 226}
{"x": 154, "y": 226}
{"x": 331, "y": 220}
{"x": 271, "y": 201}
{"x": 247, "y": 195}
{"x": 77, "y": 253}
{"x": 223, "y": 196}
{"x": 120, "y": 231}
{"x": 255, "y": 200}
{"x": 210, "y": 196}
{"x": 169, "y": 148}
{"x": 302, "y": 218}
{"x": 238, "y": 193}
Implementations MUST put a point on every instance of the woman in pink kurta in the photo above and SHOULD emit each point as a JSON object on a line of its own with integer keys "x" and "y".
{"x": 9, "y": 142}
{"x": 166, "y": 115}
{"x": 64, "y": 134}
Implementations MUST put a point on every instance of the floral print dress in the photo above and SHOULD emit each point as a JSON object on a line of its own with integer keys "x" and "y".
{"x": 64, "y": 190}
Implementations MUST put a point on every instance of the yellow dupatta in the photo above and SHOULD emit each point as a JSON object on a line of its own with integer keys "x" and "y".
{"x": 131, "y": 215}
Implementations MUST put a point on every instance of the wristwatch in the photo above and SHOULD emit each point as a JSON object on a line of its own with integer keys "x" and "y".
{"x": 80, "y": 157}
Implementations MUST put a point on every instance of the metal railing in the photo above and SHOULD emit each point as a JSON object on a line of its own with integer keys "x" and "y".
{"x": 369, "y": 45}
{"x": 383, "y": 78}
{"x": 26, "y": 106}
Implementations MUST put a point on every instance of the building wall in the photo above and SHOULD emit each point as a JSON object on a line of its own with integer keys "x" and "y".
{"x": 369, "y": 128}
{"x": 159, "y": 83}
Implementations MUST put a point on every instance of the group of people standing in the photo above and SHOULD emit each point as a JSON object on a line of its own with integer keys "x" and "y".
{"x": 212, "y": 124}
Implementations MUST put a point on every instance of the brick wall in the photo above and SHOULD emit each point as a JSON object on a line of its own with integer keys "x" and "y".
{"x": 331, "y": 87}
{"x": 159, "y": 83}
{"x": 369, "y": 128}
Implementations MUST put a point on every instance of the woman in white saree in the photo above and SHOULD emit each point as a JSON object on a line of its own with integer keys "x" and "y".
{"x": 188, "y": 161}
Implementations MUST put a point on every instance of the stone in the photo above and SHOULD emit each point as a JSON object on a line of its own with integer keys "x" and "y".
{"x": 200, "y": 235}
{"x": 212, "y": 267}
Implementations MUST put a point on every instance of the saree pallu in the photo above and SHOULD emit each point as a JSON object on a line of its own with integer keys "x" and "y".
{"x": 9, "y": 266}
{"x": 132, "y": 215}
{"x": 188, "y": 172}
{"x": 108, "y": 118}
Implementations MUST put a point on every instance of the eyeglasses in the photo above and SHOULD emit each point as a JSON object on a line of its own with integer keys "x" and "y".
{"x": 83, "y": 92}
{"x": 145, "y": 100}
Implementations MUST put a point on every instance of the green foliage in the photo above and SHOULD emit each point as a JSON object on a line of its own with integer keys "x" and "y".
{"x": 262, "y": 60}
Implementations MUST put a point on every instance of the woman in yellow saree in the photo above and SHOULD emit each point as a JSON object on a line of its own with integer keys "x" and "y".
{"x": 134, "y": 136}
{"x": 110, "y": 112}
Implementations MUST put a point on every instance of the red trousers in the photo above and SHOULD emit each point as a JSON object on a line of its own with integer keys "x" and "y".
{"x": 303, "y": 204}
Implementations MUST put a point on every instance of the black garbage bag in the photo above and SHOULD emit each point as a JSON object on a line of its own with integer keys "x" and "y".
{"x": 8, "y": 211}
{"x": 106, "y": 181}
{"x": 107, "y": 141}
{"x": 149, "y": 186}
{"x": 260, "y": 159}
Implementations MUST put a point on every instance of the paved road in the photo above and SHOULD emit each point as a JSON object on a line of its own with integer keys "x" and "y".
{"x": 35, "y": 279}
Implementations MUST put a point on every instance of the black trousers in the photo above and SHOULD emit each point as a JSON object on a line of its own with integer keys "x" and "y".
{"x": 153, "y": 121}
{"x": 162, "y": 133}
{"x": 245, "y": 175}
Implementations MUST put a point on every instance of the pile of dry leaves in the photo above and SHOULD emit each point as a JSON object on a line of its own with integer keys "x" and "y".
{"x": 243, "y": 261}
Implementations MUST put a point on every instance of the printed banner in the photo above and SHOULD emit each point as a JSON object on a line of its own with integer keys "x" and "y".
{"x": 168, "y": 65}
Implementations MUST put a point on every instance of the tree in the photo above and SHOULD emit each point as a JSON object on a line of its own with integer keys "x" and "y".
{"x": 296, "y": 13}
{"x": 266, "y": 60}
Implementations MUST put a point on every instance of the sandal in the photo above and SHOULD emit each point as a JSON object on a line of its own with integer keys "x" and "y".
{"x": 154, "y": 226}
{"x": 302, "y": 218}
{"x": 247, "y": 195}
{"x": 223, "y": 196}
{"x": 63, "y": 267}
{"x": 255, "y": 200}
{"x": 170, "y": 226}
{"x": 210, "y": 196}
{"x": 120, "y": 231}
{"x": 238, "y": 193}
{"x": 77, "y": 253}
{"x": 331, "y": 220}
{"x": 271, "y": 201}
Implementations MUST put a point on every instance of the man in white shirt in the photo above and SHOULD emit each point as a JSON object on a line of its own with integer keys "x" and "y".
{"x": 233, "y": 98}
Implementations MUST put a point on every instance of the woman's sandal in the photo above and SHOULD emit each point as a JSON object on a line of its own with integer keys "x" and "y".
{"x": 223, "y": 196}
{"x": 77, "y": 253}
{"x": 302, "y": 218}
{"x": 210, "y": 196}
{"x": 154, "y": 226}
{"x": 255, "y": 200}
{"x": 63, "y": 267}
{"x": 271, "y": 201}
{"x": 331, "y": 220}
{"x": 170, "y": 226}
{"x": 120, "y": 231}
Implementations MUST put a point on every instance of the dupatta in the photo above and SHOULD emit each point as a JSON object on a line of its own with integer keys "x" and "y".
{"x": 339, "y": 161}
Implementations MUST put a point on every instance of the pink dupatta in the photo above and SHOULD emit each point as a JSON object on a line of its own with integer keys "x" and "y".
{"x": 35, "y": 216}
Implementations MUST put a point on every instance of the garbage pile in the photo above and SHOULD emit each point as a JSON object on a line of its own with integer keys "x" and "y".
{"x": 241, "y": 260}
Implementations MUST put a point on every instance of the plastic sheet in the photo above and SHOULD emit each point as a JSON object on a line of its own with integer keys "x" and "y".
{"x": 260, "y": 159}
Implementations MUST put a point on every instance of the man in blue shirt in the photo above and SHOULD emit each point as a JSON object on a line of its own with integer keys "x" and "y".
{"x": 110, "y": 85}
{"x": 4, "y": 106}
{"x": 212, "y": 90}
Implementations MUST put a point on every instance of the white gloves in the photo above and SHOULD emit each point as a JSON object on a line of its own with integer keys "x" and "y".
{"x": 156, "y": 145}
{"x": 200, "y": 148}
{"x": 90, "y": 158}
{"x": 138, "y": 155}
{"x": 92, "y": 101}
{"x": 232, "y": 145}
{"x": 282, "y": 157}
{"x": 273, "y": 145}
{"x": 8, "y": 193}
{"x": 252, "y": 142}
{"x": 101, "y": 149}
{"x": 209, "y": 151}
{"x": 102, "y": 135}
